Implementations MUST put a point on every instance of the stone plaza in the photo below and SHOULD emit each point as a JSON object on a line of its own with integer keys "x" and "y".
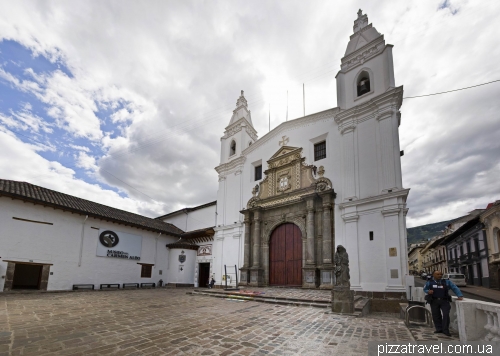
{"x": 174, "y": 322}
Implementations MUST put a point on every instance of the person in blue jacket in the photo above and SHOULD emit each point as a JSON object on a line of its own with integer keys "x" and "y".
{"x": 440, "y": 300}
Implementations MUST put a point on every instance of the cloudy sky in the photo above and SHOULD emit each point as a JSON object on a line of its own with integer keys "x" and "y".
{"x": 124, "y": 102}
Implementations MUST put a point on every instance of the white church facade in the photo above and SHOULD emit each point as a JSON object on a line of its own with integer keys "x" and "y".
{"x": 287, "y": 199}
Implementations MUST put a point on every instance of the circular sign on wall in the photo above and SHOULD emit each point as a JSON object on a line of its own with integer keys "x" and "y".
{"x": 108, "y": 238}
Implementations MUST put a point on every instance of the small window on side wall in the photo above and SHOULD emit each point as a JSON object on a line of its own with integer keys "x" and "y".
{"x": 319, "y": 151}
{"x": 363, "y": 83}
{"x": 232, "y": 148}
{"x": 146, "y": 271}
{"x": 258, "y": 172}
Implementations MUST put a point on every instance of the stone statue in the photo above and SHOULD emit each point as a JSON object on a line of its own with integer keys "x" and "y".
{"x": 341, "y": 261}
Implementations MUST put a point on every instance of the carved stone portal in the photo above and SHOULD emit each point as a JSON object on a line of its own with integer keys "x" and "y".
{"x": 289, "y": 193}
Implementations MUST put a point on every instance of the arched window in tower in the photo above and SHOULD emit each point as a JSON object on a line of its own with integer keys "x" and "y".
{"x": 363, "y": 83}
{"x": 232, "y": 148}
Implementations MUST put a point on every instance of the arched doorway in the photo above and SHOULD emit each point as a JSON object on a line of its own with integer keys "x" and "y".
{"x": 285, "y": 256}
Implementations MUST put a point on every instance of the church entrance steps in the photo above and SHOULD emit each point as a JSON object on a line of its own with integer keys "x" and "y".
{"x": 282, "y": 296}
{"x": 263, "y": 299}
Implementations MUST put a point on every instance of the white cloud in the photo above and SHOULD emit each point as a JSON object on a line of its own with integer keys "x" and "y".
{"x": 167, "y": 76}
{"x": 85, "y": 161}
{"x": 79, "y": 148}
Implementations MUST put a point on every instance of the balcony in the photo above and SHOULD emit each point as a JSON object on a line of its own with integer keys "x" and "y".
{"x": 463, "y": 258}
{"x": 453, "y": 262}
{"x": 427, "y": 264}
{"x": 474, "y": 256}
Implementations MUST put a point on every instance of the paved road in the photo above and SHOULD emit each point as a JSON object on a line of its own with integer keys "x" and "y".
{"x": 170, "y": 322}
{"x": 419, "y": 282}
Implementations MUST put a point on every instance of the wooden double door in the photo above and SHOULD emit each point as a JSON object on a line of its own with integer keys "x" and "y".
{"x": 285, "y": 256}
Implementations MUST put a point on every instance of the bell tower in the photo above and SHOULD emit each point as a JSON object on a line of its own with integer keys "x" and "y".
{"x": 370, "y": 194}
{"x": 366, "y": 68}
{"x": 239, "y": 134}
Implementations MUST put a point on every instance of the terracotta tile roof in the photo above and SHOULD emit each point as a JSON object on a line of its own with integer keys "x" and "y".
{"x": 39, "y": 195}
{"x": 183, "y": 244}
{"x": 193, "y": 234}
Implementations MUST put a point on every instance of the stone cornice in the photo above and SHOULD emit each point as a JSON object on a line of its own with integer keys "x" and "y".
{"x": 363, "y": 54}
{"x": 227, "y": 167}
{"x": 303, "y": 121}
{"x": 393, "y": 194}
{"x": 380, "y": 107}
{"x": 491, "y": 213}
{"x": 367, "y": 27}
{"x": 238, "y": 126}
{"x": 350, "y": 218}
{"x": 390, "y": 211}
{"x": 226, "y": 227}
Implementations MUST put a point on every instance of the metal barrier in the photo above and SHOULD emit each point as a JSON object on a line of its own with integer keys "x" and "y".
{"x": 428, "y": 315}
{"x": 236, "y": 274}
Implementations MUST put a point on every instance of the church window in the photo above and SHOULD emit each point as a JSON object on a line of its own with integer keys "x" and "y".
{"x": 371, "y": 235}
{"x": 497, "y": 245}
{"x": 232, "y": 148}
{"x": 363, "y": 83}
{"x": 320, "y": 151}
{"x": 258, "y": 172}
{"x": 146, "y": 271}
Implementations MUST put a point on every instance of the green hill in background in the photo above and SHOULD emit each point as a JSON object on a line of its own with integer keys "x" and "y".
{"x": 425, "y": 232}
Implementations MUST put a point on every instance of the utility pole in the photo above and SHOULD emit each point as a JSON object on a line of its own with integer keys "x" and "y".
{"x": 304, "y": 97}
{"x": 287, "y": 105}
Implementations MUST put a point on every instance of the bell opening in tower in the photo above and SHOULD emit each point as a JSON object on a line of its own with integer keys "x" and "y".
{"x": 363, "y": 84}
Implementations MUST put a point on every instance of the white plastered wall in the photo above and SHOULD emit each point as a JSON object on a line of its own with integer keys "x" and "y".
{"x": 182, "y": 273}
{"x": 59, "y": 244}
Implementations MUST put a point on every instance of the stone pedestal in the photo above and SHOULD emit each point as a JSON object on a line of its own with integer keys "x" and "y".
{"x": 326, "y": 277}
{"x": 310, "y": 277}
{"x": 342, "y": 300}
{"x": 244, "y": 276}
{"x": 256, "y": 277}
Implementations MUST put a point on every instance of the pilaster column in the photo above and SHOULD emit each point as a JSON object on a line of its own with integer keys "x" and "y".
{"x": 327, "y": 230}
{"x": 387, "y": 149}
{"x": 310, "y": 257}
{"x": 349, "y": 166}
{"x": 246, "y": 251}
{"x": 256, "y": 239}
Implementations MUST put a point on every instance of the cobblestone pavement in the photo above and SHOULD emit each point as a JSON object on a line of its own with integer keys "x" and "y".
{"x": 170, "y": 322}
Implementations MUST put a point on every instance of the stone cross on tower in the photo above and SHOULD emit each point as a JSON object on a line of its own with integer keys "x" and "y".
{"x": 361, "y": 21}
{"x": 284, "y": 141}
{"x": 241, "y": 101}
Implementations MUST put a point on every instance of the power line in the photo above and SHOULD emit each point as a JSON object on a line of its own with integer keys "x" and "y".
{"x": 449, "y": 91}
